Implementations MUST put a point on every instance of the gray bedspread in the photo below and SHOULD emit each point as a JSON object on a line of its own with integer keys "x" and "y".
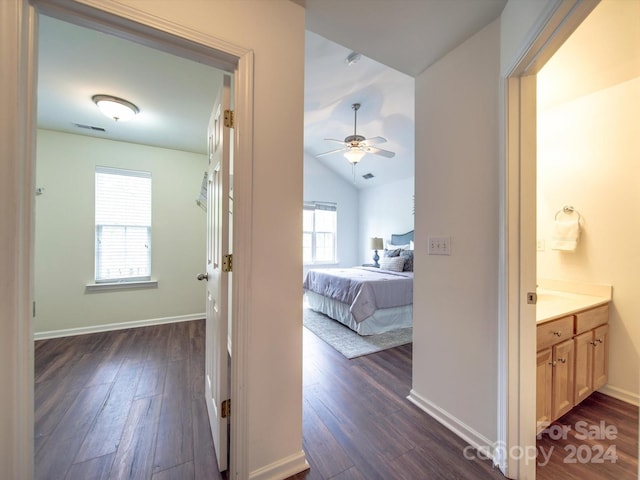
{"x": 365, "y": 289}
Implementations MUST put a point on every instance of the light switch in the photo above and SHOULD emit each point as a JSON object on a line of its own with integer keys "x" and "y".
{"x": 439, "y": 246}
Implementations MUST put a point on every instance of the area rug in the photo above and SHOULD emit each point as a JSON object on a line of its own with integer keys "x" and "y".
{"x": 348, "y": 342}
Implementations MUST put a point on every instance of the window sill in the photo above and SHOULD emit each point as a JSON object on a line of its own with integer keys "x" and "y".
{"x": 101, "y": 287}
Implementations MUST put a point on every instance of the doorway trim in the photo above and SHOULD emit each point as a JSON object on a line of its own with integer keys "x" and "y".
{"x": 131, "y": 24}
{"x": 517, "y": 386}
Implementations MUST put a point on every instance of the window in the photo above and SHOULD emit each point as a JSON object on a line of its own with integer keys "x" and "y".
{"x": 319, "y": 232}
{"x": 123, "y": 225}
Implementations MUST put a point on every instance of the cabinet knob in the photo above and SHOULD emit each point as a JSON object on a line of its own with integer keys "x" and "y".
{"x": 553, "y": 364}
{"x": 557, "y": 334}
{"x": 562, "y": 360}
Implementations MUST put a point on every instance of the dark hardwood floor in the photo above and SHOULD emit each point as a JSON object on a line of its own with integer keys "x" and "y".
{"x": 597, "y": 439}
{"x": 122, "y": 405}
{"x": 358, "y": 424}
{"x": 130, "y": 404}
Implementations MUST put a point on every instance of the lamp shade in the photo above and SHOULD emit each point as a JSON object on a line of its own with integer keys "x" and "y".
{"x": 375, "y": 243}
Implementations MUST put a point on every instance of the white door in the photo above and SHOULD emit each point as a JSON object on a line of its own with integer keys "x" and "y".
{"x": 217, "y": 275}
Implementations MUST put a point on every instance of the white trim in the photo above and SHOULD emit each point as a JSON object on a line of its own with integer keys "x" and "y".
{"x": 283, "y": 468}
{"x": 624, "y": 395}
{"x": 18, "y": 66}
{"x": 243, "y": 254}
{"x": 457, "y": 426}
{"x": 108, "y": 327}
{"x": 110, "y": 286}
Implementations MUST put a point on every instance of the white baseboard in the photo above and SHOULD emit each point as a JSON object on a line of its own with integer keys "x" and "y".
{"x": 282, "y": 469}
{"x": 69, "y": 332}
{"x": 464, "y": 431}
{"x": 620, "y": 394}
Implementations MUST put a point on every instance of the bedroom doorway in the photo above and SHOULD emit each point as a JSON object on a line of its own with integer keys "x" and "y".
{"x": 182, "y": 42}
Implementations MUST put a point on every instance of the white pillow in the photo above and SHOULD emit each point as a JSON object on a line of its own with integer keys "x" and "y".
{"x": 391, "y": 246}
{"x": 393, "y": 264}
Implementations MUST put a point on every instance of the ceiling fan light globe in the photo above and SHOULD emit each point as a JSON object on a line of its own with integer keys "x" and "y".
{"x": 354, "y": 155}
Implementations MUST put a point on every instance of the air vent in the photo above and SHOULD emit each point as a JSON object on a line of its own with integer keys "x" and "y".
{"x": 367, "y": 176}
{"x": 90, "y": 127}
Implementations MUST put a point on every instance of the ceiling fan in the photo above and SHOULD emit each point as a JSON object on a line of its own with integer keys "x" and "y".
{"x": 356, "y": 146}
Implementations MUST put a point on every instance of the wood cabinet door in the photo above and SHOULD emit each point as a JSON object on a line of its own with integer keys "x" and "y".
{"x": 584, "y": 366}
{"x": 600, "y": 356}
{"x": 544, "y": 383}
{"x": 563, "y": 378}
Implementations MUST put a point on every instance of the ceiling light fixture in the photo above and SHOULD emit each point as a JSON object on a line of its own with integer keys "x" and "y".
{"x": 354, "y": 154}
{"x": 352, "y": 58}
{"x": 116, "y": 108}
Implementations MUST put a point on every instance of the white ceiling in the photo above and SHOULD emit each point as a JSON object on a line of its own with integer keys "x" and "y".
{"x": 174, "y": 94}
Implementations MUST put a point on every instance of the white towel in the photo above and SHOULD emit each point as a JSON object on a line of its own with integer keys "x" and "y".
{"x": 566, "y": 233}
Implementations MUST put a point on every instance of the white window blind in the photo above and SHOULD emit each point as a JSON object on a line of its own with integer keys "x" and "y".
{"x": 123, "y": 225}
{"x": 320, "y": 223}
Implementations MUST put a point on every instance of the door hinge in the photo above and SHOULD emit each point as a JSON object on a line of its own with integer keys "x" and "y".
{"x": 229, "y": 119}
{"x": 225, "y": 408}
{"x": 227, "y": 263}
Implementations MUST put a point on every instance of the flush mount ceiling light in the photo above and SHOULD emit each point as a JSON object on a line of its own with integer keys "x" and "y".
{"x": 116, "y": 108}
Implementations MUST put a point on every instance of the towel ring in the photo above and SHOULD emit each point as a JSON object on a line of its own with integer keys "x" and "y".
{"x": 568, "y": 210}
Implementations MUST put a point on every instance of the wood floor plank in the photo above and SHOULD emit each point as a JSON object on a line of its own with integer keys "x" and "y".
{"x": 56, "y": 455}
{"x": 52, "y": 399}
{"x": 179, "y": 472}
{"x": 151, "y": 382}
{"x": 204, "y": 458}
{"x": 328, "y": 456}
{"x": 95, "y": 469}
{"x": 134, "y": 458}
{"x": 104, "y": 435}
{"x": 174, "y": 444}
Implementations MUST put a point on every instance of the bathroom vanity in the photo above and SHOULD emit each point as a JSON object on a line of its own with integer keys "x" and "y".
{"x": 572, "y": 346}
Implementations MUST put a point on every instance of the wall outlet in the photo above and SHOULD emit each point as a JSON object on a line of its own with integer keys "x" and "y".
{"x": 439, "y": 246}
{"x": 540, "y": 245}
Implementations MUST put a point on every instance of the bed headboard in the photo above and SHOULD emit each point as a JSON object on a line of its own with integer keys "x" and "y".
{"x": 401, "y": 238}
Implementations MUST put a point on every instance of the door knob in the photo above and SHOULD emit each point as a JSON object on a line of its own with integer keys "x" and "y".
{"x": 203, "y": 276}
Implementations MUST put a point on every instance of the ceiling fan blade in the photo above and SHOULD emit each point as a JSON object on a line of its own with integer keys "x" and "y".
{"x": 331, "y": 151}
{"x": 379, "y": 151}
{"x": 334, "y": 140}
{"x": 373, "y": 141}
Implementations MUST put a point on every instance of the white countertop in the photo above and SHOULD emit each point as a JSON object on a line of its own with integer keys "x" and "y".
{"x": 554, "y": 304}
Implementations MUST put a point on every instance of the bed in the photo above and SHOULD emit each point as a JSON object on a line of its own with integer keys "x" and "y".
{"x": 366, "y": 299}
